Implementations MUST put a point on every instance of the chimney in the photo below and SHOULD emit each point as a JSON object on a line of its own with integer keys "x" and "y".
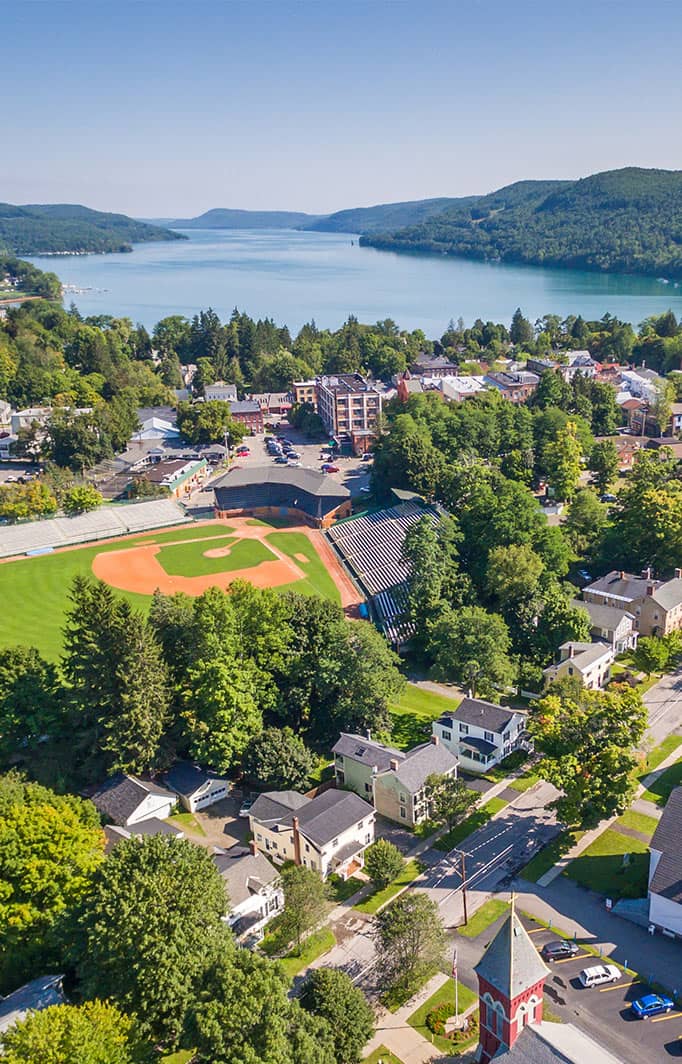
{"x": 621, "y": 574}
{"x": 435, "y": 740}
{"x": 571, "y": 651}
{"x": 394, "y": 764}
{"x": 369, "y": 735}
{"x": 650, "y": 589}
{"x": 646, "y": 574}
{"x": 297, "y": 840}
{"x": 678, "y": 574}
{"x": 253, "y": 847}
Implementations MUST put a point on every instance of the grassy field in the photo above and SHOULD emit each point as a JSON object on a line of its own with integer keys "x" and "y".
{"x": 188, "y": 559}
{"x": 312, "y": 948}
{"x": 372, "y": 904}
{"x": 186, "y": 822}
{"x": 548, "y": 856}
{"x": 411, "y": 717}
{"x": 637, "y": 822}
{"x": 489, "y": 912}
{"x": 34, "y": 591}
{"x": 659, "y": 791}
{"x": 382, "y": 1055}
{"x": 600, "y": 867}
{"x": 659, "y": 754}
{"x": 446, "y": 993}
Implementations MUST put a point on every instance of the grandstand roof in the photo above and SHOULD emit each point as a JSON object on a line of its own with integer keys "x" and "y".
{"x": 105, "y": 523}
{"x": 302, "y": 489}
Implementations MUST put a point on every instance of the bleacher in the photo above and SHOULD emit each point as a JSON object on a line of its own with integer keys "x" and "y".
{"x": 108, "y": 521}
{"x": 371, "y": 548}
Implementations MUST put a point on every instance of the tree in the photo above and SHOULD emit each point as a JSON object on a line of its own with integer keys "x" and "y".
{"x": 471, "y": 647}
{"x": 513, "y": 576}
{"x": 383, "y": 862}
{"x": 149, "y": 929}
{"x": 209, "y": 422}
{"x": 604, "y": 463}
{"x": 50, "y": 848}
{"x": 449, "y": 799}
{"x": 410, "y": 942}
{"x": 222, "y": 712}
{"x": 585, "y": 521}
{"x": 652, "y": 654}
{"x": 81, "y": 499}
{"x": 278, "y": 759}
{"x": 588, "y": 742}
{"x": 22, "y": 501}
{"x": 562, "y": 459}
{"x": 330, "y": 993}
{"x": 305, "y": 902}
{"x": 28, "y": 700}
{"x": 521, "y": 330}
{"x": 661, "y": 406}
{"x": 241, "y": 1014}
{"x": 95, "y": 1032}
{"x": 646, "y": 525}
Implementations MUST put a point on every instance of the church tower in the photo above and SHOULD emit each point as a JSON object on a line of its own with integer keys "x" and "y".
{"x": 511, "y": 979}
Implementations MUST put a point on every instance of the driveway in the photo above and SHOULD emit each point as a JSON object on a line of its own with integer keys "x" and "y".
{"x": 221, "y": 824}
{"x": 664, "y": 704}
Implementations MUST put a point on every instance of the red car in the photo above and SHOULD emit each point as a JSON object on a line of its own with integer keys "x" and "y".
{"x": 329, "y": 468}
{"x": 243, "y": 450}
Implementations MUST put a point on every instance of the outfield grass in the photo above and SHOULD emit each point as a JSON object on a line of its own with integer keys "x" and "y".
{"x": 446, "y": 994}
{"x": 600, "y": 867}
{"x": 548, "y": 856}
{"x": 489, "y": 912}
{"x": 375, "y": 901}
{"x": 412, "y": 715}
{"x": 34, "y": 591}
{"x": 189, "y": 559}
{"x": 659, "y": 791}
{"x": 317, "y": 580}
{"x": 637, "y": 822}
{"x": 312, "y": 948}
{"x": 472, "y": 823}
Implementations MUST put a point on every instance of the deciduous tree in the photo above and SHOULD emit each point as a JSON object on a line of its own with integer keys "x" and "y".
{"x": 330, "y": 994}
{"x": 278, "y": 759}
{"x": 449, "y": 799}
{"x": 95, "y": 1032}
{"x": 305, "y": 901}
{"x": 383, "y": 862}
{"x": 410, "y": 942}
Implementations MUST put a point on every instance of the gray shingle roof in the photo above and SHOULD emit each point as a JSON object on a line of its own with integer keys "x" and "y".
{"x": 422, "y": 762}
{"x": 277, "y": 807}
{"x": 330, "y": 814}
{"x": 601, "y": 616}
{"x": 586, "y": 654}
{"x": 121, "y": 795}
{"x": 667, "y": 879}
{"x": 367, "y": 751}
{"x": 481, "y": 714}
{"x": 186, "y": 778}
{"x": 530, "y": 1048}
{"x": 627, "y": 587}
{"x": 33, "y": 996}
{"x": 305, "y": 479}
{"x": 511, "y": 962}
{"x": 473, "y": 742}
{"x": 669, "y": 595}
{"x": 244, "y": 873}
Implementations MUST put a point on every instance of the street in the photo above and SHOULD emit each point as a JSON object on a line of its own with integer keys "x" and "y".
{"x": 664, "y": 703}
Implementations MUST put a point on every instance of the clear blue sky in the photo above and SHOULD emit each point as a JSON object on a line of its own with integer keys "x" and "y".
{"x": 163, "y": 109}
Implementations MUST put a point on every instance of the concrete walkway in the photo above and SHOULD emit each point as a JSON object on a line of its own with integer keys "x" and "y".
{"x": 589, "y": 836}
{"x": 394, "y": 1032}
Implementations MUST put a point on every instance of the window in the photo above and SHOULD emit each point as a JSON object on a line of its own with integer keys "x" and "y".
{"x": 464, "y": 729}
{"x": 368, "y": 839}
{"x": 368, "y": 788}
{"x": 307, "y": 848}
{"x": 259, "y": 838}
{"x": 488, "y": 735}
{"x": 403, "y": 814}
{"x": 403, "y": 798}
{"x": 447, "y": 735}
{"x": 335, "y": 842}
{"x": 570, "y": 670}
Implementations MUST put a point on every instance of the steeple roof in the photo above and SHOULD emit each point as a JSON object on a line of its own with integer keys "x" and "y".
{"x": 511, "y": 962}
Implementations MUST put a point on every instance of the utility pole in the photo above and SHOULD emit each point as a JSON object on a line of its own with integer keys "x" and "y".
{"x": 464, "y": 887}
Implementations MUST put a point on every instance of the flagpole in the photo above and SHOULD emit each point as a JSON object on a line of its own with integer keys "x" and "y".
{"x": 454, "y": 976}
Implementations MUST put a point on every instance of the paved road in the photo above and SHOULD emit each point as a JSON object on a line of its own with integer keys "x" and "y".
{"x": 664, "y": 703}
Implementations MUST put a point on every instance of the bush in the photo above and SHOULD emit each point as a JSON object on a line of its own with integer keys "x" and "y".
{"x": 437, "y": 1018}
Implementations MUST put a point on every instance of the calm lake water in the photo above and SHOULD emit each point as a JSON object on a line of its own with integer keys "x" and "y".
{"x": 293, "y": 277}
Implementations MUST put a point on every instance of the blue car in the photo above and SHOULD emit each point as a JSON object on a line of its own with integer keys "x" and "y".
{"x": 651, "y": 1005}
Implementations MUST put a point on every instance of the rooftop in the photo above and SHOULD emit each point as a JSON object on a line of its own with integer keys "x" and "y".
{"x": 423, "y": 761}
{"x": 186, "y": 778}
{"x": 33, "y": 996}
{"x": 511, "y": 962}
{"x": 481, "y": 714}
{"x": 367, "y": 751}
{"x": 244, "y": 873}
{"x": 244, "y": 406}
{"x": 306, "y": 479}
{"x": 667, "y": 879}
{"x": 320, "y": 819}
{"x": 346, "y": 382}
{"x": 120, "y": 796}
{"x": 621, "y": 585}
{"x": 601, "y": 616}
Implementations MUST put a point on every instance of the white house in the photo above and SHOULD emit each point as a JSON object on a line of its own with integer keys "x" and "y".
{"x": 665, "y": 869}
{"x": 588, "y": 662}
{"x": 610, "y": 624}
{"x": 220, "y": 390}
{"x": 328, "y": 833}
{"x": 254, "y": 889}
{"x": 156, "y": 428}
{"x": 481, "y": 734}
{"x": 196, "y": 787}
{"x": 127, "y": 800}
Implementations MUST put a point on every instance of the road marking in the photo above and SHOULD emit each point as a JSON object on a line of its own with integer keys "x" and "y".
{"x": 537, "y": 930}
{"x": 575, "y": 957}
{"x": 670, "y": 1016}
{"x": 620, "y": 986}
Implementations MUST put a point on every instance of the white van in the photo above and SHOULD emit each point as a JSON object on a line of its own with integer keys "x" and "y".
{"x": 601, "y": 973}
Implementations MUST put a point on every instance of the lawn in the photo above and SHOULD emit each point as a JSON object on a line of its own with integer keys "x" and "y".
{"x": 343, "y": 889}
{"x": 600, "y": 867}
{"x": 446, "y": 993}
{"x": 317, "y": 580}
{"x": 637, "y": 822}
{"x": 411, "y": 717}
{"x": 659, "y": 754}
{"x": 659, "y": 790}
{"x": 188, "y": 559}
{"x": 372, "y": 904}
{"x": 523, "y": 783}
{"x": 382, "y": 1055}
{"x": 489, "y": 912}
{"x": 186, "y": 822}
{"x": 312, "y": 948}
{"x": 548, "y": 856}
{"x": 469, "y": 825}
{"x": 181, "y": 1057}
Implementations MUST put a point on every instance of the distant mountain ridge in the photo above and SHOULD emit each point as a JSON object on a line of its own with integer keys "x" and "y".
{"x": 627, "y": 221}
{"x": 62, "y": 228}
{"x": 226, "y": 218}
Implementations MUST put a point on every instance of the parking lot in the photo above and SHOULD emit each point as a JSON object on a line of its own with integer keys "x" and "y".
{"x": 605, "y": 1012}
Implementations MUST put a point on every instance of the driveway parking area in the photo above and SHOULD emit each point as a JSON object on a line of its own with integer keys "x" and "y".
{"x": 605, "y": 1011}
{"x": 221, "y": 824}
{"x": 353, "y": 472}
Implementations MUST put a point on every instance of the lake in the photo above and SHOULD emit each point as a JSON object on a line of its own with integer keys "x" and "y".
{"x": 296, "y": 276}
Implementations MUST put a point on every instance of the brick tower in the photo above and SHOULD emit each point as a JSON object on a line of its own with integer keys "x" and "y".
{"x": 511, "y": 979}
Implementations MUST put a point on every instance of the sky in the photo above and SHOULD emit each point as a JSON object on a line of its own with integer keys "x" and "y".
{"x": 165, "y": 109}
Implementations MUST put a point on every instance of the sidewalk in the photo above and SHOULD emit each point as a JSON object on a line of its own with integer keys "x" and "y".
{"x": 589, "y": 836}
{"x": 394, "y": 1032}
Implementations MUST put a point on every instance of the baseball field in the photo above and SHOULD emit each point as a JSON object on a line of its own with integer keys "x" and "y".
{"x": 34, "y": 591}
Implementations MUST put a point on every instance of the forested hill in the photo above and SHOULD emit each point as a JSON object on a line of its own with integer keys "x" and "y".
{"x": 225, "y": 218}
{"x": 626, "y": 220}
{"x": 39, "y": 229}
{"x": 384, "y": 216}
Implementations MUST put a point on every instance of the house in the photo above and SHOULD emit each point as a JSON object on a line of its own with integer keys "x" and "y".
{"x": 127, "y": 800}
{"x": 157, "y": 423}
{"x": 254, "y": 889}
{"x": 273, "y": 402}
{"x": 455, "y": 389}
{"x": 114, "y": 834}
{"x": 433, "y": 366}
{"x": 511, "y": 983}
{"x": 196, "y": 787}
{"x": 671, "y": 442}
{"x": 26, "y": 419}
{"x": 7, "y": 442}
{"x": 516, "y": 387}
{"x": 350, "y": 408}
{"x": 249, "y": 414}
{"x": 227, "y": 393}
{"x": 656, "y": 604}
{"x": 588, "y": 662}
{"x": 610, "y": 624}
{"x": 32, "y": 997}
{"x": 665, "y": 869}
{"x": 481, "y": 734}
{"x": 176, "y": 476}
{"x": 641, "y": 383}
{"x": 408, "y": 385}
{"x": 573, "y": 362}
{"x": 328, "y": 833}
{"x": 5, "y": 413}
{"x": 392, "y": 780}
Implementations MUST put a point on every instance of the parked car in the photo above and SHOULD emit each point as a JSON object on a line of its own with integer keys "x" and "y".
{"x": 652, "y": 1005}
{"x": 367, "y": 457}
{"x": 561, "y": 947}
{"x": 282, "y": 459}
{"x": 607, "y": 497}
{"x": 584, "y": 575}
{"x": 329, "y": 468}
{"x": 293, "y": 454}
{"x": 246, "y": 806}
{"x": 600, "y": 973}
{"x": 365, "y": 491}
{"x": 295, "y": 464}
